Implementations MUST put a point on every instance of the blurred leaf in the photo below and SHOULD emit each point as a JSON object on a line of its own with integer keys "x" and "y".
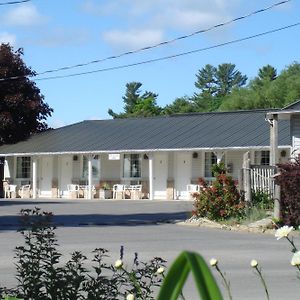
{"x": 185, "y": 263}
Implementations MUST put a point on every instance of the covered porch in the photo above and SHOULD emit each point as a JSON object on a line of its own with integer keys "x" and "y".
{"x": 152, "y": 175}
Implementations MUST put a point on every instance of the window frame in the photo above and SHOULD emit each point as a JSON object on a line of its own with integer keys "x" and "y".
{"x": 23, "y": 167}
{"x": 131, "y": 160}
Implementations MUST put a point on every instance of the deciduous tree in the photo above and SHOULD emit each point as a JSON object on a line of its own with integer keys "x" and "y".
{"x": 22, "y": 107}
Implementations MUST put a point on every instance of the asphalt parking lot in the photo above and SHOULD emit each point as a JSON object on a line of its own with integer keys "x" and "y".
{"x": 149, "y": 228}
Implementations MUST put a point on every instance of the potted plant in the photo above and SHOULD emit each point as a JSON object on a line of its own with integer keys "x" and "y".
{"x": 105, "y": 191}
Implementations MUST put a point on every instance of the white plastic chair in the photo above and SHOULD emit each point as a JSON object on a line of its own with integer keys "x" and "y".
{"x": 25, "y": 191}
{"x": 119, "y": 190}
{"x": 135, "y": 191}
{"x": 73, "y": 190}
{"x": 191, "y": 189}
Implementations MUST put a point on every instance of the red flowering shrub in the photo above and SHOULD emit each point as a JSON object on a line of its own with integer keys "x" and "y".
{"x": 289, "y": 182}
{"x": 220, "y": 201}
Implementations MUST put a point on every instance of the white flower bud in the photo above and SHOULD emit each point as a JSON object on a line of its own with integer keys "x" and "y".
{"x": 254, "y": 263}
{"x": 213, "y": 262}
{"x": 130, "y": 297}
{"x": 118, "y": 264}
{"x": 160, "y": 270}
{"x": 296, "y": 259}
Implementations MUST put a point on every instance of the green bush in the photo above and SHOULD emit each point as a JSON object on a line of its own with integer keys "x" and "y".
{"x": 42, "y": 276}
{"x": 261, "y": 200}
{"x": 220, "y": 201}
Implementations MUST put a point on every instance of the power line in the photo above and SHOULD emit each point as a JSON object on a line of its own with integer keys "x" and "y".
{"x": 151, "y": 47}
{"x": 165, "y": 57}
{"x": 167, "y": 41}
{"x": 14, "y": 2}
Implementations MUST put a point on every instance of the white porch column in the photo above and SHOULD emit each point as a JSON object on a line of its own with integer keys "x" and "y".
{"x": 273, "y": 120}
{"x": 274, "y": 140}
{"x": 90, "y": 176}
{"x": 151, "y": 191}
{"x": 34, "y": 177}
{"x": 219, "y": 155}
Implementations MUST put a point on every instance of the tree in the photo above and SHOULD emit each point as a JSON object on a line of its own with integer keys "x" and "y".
{"x": 22, "y": 109}
{"x": 137, "y": 104}
{"x": 215, "y": 84}
{"x": 180, "y": 105}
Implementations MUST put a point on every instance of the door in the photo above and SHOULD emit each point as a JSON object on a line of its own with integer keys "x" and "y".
{"x": 46, "y": 176}
{"x": 66, "y": 174}
{"x": 183, "y": 173}
{"x": 160, "y": 175}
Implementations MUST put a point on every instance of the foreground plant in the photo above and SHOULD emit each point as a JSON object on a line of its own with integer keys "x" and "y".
{"x": 255, "y": 266}
{"x": 42, "y": 276}
{"x": 189, "y": 262}
{"x": 285, "y": 232}
{"x": 214, "y": 263}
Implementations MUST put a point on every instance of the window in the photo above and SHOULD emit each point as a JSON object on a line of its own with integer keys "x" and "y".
{"x": 262, "y": 158}
{"x": 132, "y": 166}
{"x": 210, "y": 160}
{"x": 95, "y": 167}
{"x": 23, "y": 167}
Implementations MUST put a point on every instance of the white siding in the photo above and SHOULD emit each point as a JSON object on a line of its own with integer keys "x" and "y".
{"x": 197, "y": 166}
{"x": 235, "y": 160}
{"x": 110, "y": 169}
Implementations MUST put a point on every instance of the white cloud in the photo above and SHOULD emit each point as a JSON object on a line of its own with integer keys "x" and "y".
{"x": 158, "y": 18}
{"x": 59, "y": 37}
{"x": 6, "y": 37}
{"x": 23, "y": 15}
{"x": 133, "y": 39}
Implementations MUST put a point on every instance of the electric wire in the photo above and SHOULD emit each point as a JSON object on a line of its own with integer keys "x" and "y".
{"x": 154, "y": 46}
{"x": 167, "y": 41}
{"x": 14, "y": 2}
{"x": 165, "y": 57}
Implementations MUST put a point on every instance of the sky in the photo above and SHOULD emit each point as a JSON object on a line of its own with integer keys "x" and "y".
{"x": 56, "y": 34}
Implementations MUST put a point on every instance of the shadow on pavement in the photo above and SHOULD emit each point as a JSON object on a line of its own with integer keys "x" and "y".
{"x": 12, "y": 222}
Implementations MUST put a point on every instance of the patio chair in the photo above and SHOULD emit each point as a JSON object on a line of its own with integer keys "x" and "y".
{"x": 119, "y": 191}
{"x": 191, "y": 189}
{"x": 73, "y": 191}
{"x": 136, "y": 191}
{"x": 25, "y": 191}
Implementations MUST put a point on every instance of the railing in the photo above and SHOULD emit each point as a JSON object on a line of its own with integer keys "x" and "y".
{"x": 261, "y": 178}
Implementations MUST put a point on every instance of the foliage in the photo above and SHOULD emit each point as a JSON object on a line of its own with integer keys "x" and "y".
{"x": 215, "y": 83}
{"x": 218, "y": 169}
{"x": 185, "y": 263}
{"x": 137, "y": 104}
{"x": 22, "y": 107}
{"x": 180, "y": 105}
{"x": 41, "y": 274}
{"x": 261, "y": 200}
{"x": 289, "y": 182}
{"x": 267, "y": 90}
{"x": 220, "y": 201}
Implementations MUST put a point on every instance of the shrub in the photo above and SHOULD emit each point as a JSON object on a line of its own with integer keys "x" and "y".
{"x": 289, "y": 182}
{"x": 261, "y": 200}
{"x": 42, "y": 276}
{"x": 220, "y": 201}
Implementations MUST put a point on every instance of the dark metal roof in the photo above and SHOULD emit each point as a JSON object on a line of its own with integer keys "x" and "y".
{"x": 185, "y": 131}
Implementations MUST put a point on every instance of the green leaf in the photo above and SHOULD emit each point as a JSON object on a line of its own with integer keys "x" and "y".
{"x": 185, "y": 263}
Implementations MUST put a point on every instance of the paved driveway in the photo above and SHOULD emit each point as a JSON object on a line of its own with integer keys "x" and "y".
{"x": 138, "y": 226}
